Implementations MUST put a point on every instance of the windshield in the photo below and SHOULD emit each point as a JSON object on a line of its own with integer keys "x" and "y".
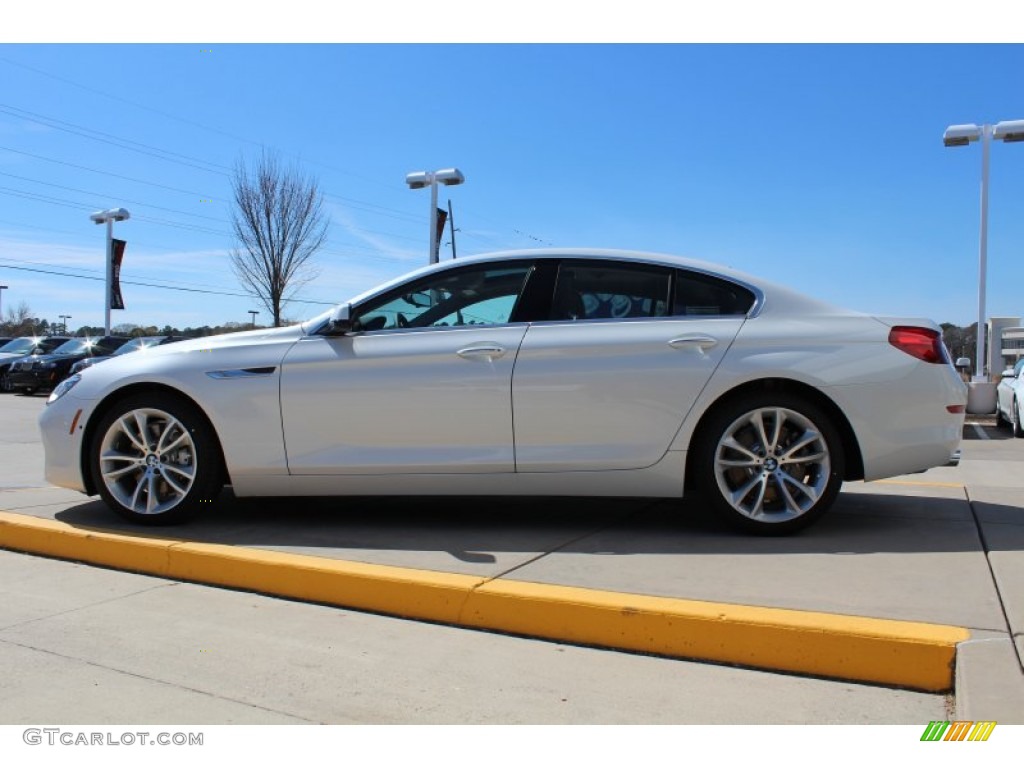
{"x": 75, "y": 347}
{"x": 20, "y": 346}
{"x": 143, "y": 342}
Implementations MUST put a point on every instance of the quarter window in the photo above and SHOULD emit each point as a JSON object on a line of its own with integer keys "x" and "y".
{"x": 698, "y": 294}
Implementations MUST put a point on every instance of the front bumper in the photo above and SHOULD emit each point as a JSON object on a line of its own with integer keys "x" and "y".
{"x": 36, "y": 378}
{"x": 62, "y": 426}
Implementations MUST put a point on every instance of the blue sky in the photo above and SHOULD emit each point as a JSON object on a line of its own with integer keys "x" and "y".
{"x": 817, "y": 165}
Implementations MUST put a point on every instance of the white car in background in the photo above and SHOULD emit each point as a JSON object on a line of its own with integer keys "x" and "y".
{"x": 571, "y": 373}
{"x": 1010, "y": 399}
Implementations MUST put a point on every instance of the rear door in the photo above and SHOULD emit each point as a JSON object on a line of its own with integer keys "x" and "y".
{"x": 605, "y": 383}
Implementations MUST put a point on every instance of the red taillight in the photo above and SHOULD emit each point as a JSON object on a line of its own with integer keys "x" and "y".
{"x": 922, "y": 343}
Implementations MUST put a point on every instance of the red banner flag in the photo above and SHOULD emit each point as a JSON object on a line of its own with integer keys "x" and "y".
{"x": 116, "y": 254}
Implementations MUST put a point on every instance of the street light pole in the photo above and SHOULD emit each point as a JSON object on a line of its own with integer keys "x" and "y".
{"x": 64, "y": 322}
{"x": 421, "y": 179}
{"x": 109, "y": 216}
{"x": 253, "y": 312}
{"x": 986, "y": 142}
{"x": 960, "y": 136}
{"x": 2, "y": 289}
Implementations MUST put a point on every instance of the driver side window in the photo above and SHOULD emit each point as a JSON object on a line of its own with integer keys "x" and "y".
{"x": 484, "y": 295}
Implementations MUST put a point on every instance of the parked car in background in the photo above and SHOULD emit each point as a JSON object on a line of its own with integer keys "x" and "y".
{"x": 1010, "y": 399}
{"x": 44, "y": 372}
{"x": 138, "y": 344}
{"x": 15, "y": 349}
{"x": 566, "y": 373}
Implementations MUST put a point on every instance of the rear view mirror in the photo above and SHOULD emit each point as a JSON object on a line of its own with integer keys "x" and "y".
{"x": 420, "y": 300}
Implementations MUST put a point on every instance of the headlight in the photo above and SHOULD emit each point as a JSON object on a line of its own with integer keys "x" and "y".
{"x": 63, "y": 388}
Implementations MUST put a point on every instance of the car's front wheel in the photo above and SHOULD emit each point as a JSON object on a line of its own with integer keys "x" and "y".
{"x": 769, "y": 463}
{"x": 155, "y": 459}
{"x": 1015, "y": 419}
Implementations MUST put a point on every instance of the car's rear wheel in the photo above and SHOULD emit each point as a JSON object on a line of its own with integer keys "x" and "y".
{"x": 769, "y": 463}
{"x": 155, "y": 459}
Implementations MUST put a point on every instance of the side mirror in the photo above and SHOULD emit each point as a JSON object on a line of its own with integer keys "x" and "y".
{"x": 962, "y": 362}
{"x": 340, "y": 322}
{"x": 1008, "y": 374}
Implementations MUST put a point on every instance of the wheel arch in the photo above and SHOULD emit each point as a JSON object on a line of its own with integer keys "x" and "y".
{"x": 127, "y": 391}
{"x": 854, "y": 468}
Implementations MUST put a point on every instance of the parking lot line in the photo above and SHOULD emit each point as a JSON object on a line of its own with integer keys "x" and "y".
{"x": 881, "y": 651}
{"x": 979, "y": 430}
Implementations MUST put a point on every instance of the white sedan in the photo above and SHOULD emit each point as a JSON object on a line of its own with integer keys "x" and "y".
{"x": 567, "y": 373}
{"x": 1010, "y": 399}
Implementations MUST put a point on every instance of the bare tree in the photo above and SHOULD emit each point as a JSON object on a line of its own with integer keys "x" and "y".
{"x": 279, "y": 222}
{"x": 19, "y": 321}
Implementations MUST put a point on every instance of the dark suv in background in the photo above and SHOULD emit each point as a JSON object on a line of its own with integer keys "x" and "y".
{"x": 44, "y": 372}
{"x": 16, "y": 349}
{"x": 138, "y": 344}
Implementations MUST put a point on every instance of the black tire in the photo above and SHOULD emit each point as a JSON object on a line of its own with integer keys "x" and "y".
{"x": 769, "y": 463}
{"x": 179, "y": 472}
{"x": 1000, "y": 419}
{"x": 1015, "y": 419}
{"x": 5, "y": 381}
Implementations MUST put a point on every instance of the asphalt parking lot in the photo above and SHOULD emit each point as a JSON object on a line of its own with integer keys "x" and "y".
{"x": 942, "y": 548}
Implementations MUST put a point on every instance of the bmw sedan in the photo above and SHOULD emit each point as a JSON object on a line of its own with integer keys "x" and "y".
{"x": 564, "y": 373}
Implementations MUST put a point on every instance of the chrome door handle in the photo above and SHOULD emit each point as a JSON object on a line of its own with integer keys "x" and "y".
{"x": 689, "y": 342}
{"x": 486, "y": 351}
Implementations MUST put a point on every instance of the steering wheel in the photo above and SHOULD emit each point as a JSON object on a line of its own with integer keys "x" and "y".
{"x": 402, "y": 321}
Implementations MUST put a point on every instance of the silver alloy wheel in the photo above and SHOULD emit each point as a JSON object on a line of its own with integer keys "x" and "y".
{"x": 148, "y": 461}
{"x": 772, "y": 464}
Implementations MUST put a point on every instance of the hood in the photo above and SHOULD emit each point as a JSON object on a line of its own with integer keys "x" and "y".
{"x": 224, "y": 340}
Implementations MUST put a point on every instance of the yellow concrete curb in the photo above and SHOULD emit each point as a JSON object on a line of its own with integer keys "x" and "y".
{"x": 901, "y": 653}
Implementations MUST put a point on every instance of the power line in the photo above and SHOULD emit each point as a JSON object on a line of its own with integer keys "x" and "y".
{"x": 104, "y": 173}
{"x": 164, "y": 287}
{"x": 108, "y": 196}
{"x": 192, "y": 122}
{"x": 170, "y": 156}
{"x": 118, "y": 142}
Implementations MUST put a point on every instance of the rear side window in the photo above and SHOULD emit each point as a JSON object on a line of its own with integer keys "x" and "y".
{"x": 699, "y": 294}
{"x": 592, "y": 291}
